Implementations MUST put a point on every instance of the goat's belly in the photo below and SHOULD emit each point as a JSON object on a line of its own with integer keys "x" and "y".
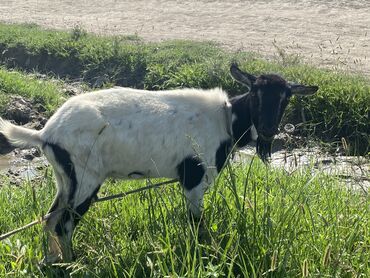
{"x": 142, "y": 167}
{"x": 152, "y": 160}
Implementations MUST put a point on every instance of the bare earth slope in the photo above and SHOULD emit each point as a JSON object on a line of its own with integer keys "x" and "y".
{"x": 329, "y": 33}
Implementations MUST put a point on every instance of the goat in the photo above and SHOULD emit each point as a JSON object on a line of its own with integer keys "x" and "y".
{"x": 128, "y": 133}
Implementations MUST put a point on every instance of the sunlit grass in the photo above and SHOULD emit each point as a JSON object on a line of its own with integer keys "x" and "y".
{"x": 269, "y": 224}
{"x": 42, "y": 92}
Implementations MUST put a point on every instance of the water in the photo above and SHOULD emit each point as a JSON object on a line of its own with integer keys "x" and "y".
{"x": 4, "y": 162}
{"x": 21, "y": 165}
{"x": 352, "y": 170}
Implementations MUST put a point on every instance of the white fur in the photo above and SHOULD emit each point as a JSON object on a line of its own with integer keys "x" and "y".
{"x": 114, "y": 132}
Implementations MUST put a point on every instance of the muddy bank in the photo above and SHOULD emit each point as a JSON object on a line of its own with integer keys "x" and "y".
{"x": 22, "y": 165}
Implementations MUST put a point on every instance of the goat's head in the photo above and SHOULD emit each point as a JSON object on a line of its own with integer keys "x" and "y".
{"x": 269, "y": 96}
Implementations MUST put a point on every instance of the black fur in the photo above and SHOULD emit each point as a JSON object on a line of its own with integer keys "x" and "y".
{"x": 191, "y": 172}
{"x": 60, "y": 227}
{"x": 64, "y": 160}
{"x": 246, "y": 109}
{"x": 263, "y": 149}
{"x": 222, "y": 153}
{"x": 241, "y": 126}
{"x": 84, "y": 206}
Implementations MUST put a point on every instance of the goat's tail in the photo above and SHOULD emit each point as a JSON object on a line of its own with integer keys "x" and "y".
{"x": 18, "y": 136}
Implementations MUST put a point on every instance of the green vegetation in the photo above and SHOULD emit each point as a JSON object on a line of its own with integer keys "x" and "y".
{"x": 43, "y": 92}
{"x": 269, "y": 224}
{"x": 259, "y": 222}
{"x": 340, "y": 109}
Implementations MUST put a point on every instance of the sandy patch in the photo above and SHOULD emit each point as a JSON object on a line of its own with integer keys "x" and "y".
{"x": 332, "y": 34}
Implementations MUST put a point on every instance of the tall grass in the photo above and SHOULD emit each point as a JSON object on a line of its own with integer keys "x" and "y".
{"x": 259, "y": 222}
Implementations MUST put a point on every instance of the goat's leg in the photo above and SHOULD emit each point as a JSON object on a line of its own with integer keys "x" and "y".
{"x": 60, "y": 240}
{"x": 85, "y": 193}
{"x": 56, "y": 210}
{"x": 194, "y": 198}
{"x": 191, "y": 172}
{"x": 83, "y": 201}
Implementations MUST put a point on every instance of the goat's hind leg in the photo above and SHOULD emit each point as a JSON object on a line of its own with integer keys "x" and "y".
{"x": 60, "y": 223}
{"x": 65, "y": 218}
{"x": 56, "y": 211}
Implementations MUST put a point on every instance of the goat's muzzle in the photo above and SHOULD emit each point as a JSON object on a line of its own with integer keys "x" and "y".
{"x": 263, "y": 146}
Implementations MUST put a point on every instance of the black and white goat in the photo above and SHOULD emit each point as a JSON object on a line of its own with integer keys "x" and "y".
{"x": 126, "y": 133}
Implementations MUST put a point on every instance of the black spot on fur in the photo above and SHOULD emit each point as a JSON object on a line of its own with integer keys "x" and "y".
{"x": 84, "y": 207}
{"x": 241, "y": 126}
{"x": 190, "y": 172}
{"x": 222, "y": 153}
{"x": 64, "y": 160}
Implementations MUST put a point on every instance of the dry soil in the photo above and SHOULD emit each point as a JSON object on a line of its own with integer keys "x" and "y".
{"x": 328, "y": 33}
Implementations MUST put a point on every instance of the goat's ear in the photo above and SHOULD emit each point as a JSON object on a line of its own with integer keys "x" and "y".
{"x": 242, "y": 77}
{"x": 302, "y": 90}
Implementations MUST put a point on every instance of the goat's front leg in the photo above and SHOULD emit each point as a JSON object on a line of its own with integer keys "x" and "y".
{"x": 194, "y": 198}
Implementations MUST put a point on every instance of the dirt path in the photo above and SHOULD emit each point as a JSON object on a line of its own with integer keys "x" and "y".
{"x": 331, "y": 33}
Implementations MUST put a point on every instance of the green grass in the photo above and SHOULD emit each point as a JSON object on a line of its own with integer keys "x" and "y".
{"x": 339, "y": 110}
{"x": 267, "y": 225}
{"x": 44, "y": 93}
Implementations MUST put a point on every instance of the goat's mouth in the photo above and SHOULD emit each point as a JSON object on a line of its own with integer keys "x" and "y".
{"x": 263, "y": 146}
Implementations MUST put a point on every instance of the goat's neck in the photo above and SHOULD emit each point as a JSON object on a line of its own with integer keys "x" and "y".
{"x": 242, "y": 121}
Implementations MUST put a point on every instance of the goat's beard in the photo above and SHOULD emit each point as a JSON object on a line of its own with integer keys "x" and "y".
{"x": 264, "y": 149}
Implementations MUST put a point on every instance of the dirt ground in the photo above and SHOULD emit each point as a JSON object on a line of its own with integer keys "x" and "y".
{"x": 329, "y": 33}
